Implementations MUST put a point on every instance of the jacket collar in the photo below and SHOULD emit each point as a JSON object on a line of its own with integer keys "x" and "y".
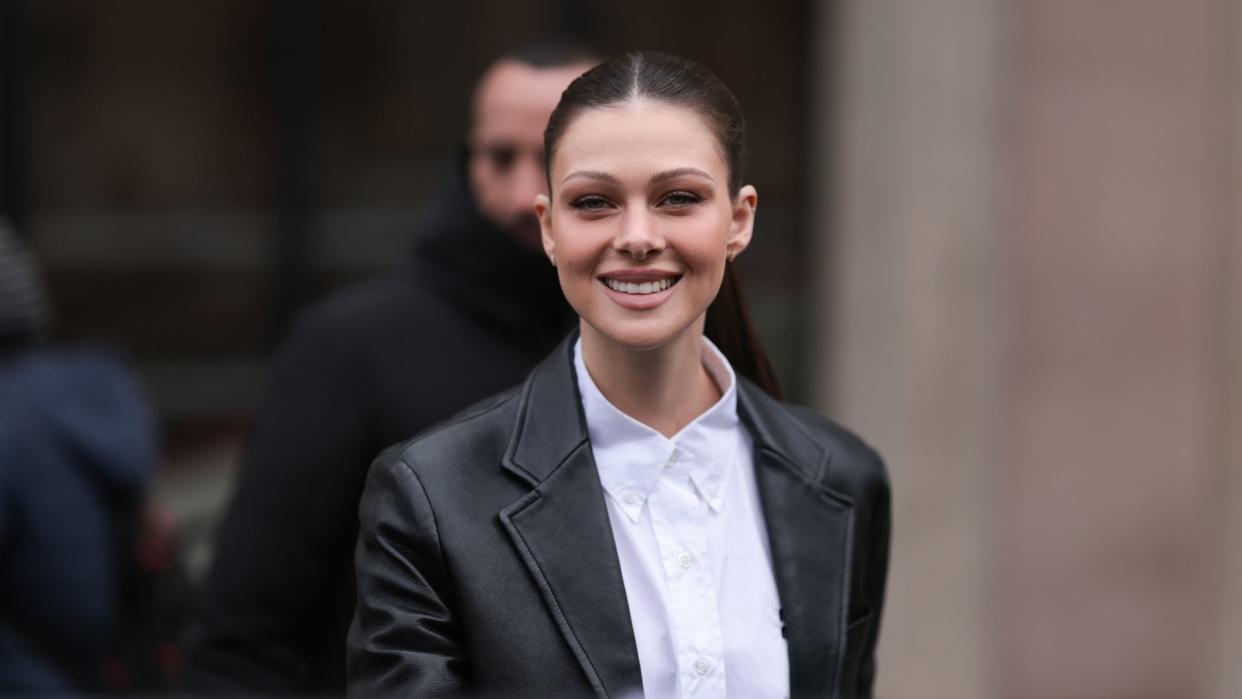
{"x": 550, "y": 425}
{"x": 562, "y": 531}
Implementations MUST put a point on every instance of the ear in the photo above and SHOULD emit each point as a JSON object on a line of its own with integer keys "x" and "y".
{"x": 543, "y": 211}
{"x": 743, "y": 221}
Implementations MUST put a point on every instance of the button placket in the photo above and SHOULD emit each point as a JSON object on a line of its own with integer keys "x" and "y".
{"x": 679, "y": 523}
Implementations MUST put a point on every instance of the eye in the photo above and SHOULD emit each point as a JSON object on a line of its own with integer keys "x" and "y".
{"x": 500, "y": 157}
{"x": 681, "y": 198}
{"x": 590, "y": 202}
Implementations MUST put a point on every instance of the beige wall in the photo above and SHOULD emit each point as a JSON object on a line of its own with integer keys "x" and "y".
{"x": 1030, "y": 251}
{"x": 915, "y": 160}
{"x": 1228, "y": 671}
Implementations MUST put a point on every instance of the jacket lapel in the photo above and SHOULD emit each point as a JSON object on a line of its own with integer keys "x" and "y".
{"x": 561, "y": 527}
{"x": 810, "y": 531}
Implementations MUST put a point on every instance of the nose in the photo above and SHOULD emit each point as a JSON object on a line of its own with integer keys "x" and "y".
{"x": 637, "y": 236}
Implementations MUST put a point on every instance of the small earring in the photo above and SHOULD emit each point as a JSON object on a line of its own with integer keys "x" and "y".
{"x": 552, "y": 259}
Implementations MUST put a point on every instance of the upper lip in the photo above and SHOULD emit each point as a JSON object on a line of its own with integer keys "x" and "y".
{"x": 639, "y": 275}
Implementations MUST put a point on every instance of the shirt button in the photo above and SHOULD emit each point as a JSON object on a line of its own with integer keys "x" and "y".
{"x": 629, "y": 497}
{"x": 685, "y": 560}
{"x": 702, "y": 666}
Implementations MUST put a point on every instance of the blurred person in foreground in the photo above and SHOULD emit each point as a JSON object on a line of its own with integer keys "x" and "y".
{"x": 474, "y": 308}
{"x": 77, "y": 450}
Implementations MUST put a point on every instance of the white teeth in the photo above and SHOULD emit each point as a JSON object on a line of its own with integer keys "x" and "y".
{"x": 639, "y": 289}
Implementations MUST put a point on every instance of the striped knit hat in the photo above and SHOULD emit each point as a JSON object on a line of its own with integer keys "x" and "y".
{"x": 24, "y": 313}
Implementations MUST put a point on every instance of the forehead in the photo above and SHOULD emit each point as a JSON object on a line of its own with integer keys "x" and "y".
{"x": 637, "y": 139}
{"x": 514, "y": 100}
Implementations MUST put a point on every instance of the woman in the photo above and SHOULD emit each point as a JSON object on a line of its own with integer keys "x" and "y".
{"x": 634, "y": 517}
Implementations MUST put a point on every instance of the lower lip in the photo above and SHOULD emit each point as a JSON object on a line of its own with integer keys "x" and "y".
{"x": 639, "y": 302}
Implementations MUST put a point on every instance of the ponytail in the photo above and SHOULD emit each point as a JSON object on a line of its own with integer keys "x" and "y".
{"x": 728, "y": 326}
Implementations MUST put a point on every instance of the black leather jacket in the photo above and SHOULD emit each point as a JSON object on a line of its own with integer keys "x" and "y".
{"x": 486, "y": 561}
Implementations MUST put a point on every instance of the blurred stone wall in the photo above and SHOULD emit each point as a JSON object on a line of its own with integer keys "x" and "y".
{"x": 1032, "y": 244}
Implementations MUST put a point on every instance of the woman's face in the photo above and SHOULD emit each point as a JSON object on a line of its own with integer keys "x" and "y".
{"x": 640, "y": 220}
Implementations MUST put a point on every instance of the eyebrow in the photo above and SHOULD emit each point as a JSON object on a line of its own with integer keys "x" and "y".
{"x": 680, "y": 172}
{"x": 655, "y": 179}
{"x": 591, "y": 175}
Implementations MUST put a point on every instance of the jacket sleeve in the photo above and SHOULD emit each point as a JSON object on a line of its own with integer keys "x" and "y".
{"x": 272, "y": 614}
{"x": 405, "y": 640}
{"x": 876, "y": 572}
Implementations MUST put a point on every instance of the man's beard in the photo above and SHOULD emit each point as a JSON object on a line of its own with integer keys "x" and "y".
{"x": 525, "y": 230}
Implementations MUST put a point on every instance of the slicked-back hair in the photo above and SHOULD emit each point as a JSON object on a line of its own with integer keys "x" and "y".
{"x": 660, "y": 77}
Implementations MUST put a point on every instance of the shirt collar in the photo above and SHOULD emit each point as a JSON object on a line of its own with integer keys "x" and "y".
{"x": 631, "y": 456}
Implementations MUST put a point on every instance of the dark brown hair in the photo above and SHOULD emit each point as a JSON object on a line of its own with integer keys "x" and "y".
{"x": 678, "y": 81}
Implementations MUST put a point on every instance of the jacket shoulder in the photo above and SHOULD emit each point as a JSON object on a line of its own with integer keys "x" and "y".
{"x": 478, "y": 435}
{"x": 854, "y": 466}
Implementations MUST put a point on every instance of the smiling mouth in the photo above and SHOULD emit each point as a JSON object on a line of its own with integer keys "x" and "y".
{"x": 640, "y": 288}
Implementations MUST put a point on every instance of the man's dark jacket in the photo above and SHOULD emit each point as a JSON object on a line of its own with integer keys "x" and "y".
{"x": 468, "y": 316}
{"x": 486, "y": 561}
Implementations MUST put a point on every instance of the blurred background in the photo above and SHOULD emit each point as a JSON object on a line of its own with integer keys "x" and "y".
{"x": 999, "y": 238}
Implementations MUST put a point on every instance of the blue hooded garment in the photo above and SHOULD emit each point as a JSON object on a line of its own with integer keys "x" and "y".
{"x": 77, "y": 450}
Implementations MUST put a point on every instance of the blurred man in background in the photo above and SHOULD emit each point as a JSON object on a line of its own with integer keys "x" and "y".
{"x": 474, "y": 308}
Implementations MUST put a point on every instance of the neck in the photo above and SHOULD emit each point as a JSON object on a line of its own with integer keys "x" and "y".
{"x": 664, "y": 388}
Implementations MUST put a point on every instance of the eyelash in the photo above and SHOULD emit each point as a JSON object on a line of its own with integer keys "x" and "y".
{"x": 691, "y": 198}
{"x": 594, "y": 202}
{"x": 590, "y": 202}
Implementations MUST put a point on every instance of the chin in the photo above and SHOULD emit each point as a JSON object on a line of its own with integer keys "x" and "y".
{"x": 640, "y": 335}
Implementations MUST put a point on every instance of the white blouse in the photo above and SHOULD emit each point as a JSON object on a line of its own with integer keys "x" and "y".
{"x": 693, "y": 546}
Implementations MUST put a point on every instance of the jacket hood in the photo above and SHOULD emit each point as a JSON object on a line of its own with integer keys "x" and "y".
{"x": 86, "y": 403}
{"x": 476, "y": 264}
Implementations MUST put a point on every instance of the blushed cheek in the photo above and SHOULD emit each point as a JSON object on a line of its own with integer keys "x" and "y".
{"x": 573, "y": 282}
